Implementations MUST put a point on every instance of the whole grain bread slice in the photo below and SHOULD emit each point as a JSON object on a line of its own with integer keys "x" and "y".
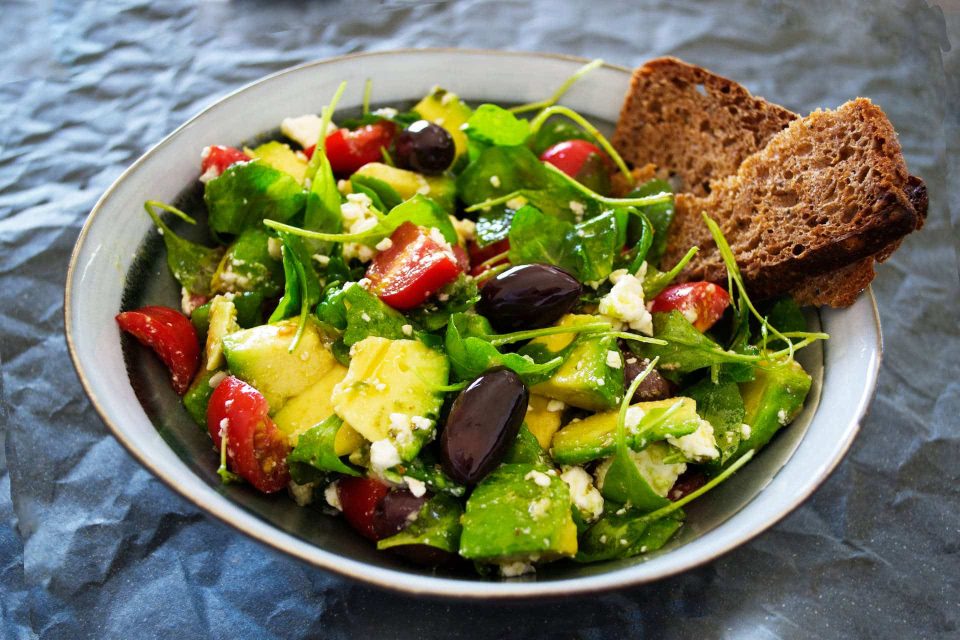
{"x": 828, "y": 191}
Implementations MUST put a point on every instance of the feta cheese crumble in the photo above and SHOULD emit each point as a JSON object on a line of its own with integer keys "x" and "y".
{"x": 495, "y": 181}
{"x": 583, "y": 493}
{"x": 302, "y": 494}
{"x": 417, "y": 487}
{"x": 614, "y": 361}
{"x": 555, "y": 405}
{"x": 358, "y": 216}
{"x": 539, "y": 478}
{"x": 745, "y": 431}
{"x": 514, "y": 569}
{"x": 538, "y": 508}
{"x": 305, "y": 130}
{"x": 782, "y": 417}
{"x": 624, "y": 304}
{"x": 699, "y": 445}
{"x": 384, "y": 244}
{"x": 332, "y": 495}
{"x": 407, "y": 329}
{"x": 383, "y": 455}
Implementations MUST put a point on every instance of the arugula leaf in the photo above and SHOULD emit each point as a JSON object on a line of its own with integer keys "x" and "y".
{"x": 722, "y": 406}
{"x": 315, "y": 448}
{"x": 495, "y": 125}
{"x": 249, "y": 192}
{"x": 192, "y": 264}
{"x": 659, "y": 215}
{"x": 437, "y": 525}
{"x": 687, "y": 349}
{"x": 624, "y": 535}
{"x": 471, "y": 355}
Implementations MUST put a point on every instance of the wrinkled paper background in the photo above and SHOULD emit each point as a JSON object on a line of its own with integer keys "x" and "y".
{"x": 92, "y": 546}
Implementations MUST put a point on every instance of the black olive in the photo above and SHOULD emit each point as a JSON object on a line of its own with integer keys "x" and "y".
{"x": 395, "y": 512}
{"x": 528, "y": 296}
{"x": 426, "y": 555}
{"x": 425, "y": 147}
{"x": 653, "y": 387}
{"x": 482, "y": 424}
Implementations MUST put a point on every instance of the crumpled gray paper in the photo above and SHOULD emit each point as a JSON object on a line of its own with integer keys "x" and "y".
{"x": 92, "y": 546}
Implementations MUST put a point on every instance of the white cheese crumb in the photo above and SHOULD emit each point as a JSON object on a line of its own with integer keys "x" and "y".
{"x": 216, "y": 379}
{"x": 516, "y": 203}
{"x": 417, "y": 487}
{"x": 386, "y": 112}
{"x": 614, "y": 361}
{"x": 578, "y": 209}
{"x": 745, "y": 431}
{"x": 273, "y": 248}
{"x": 302, "y": 494}
{"x": 539, "y": 478}
{"x": 304, "y": 130}
{"x": 421, "y": 423}
{"x": 495, "y": 181}
{"x": 358, "y": 216}
{"x": 407, "y": 329}
{"x": 690, "y": 314}
{"x": 603, "y": 539}
{"x": 538, "y": 508}
{"x": 384, "y": 244}
{"x": 210, "y": 173}
{"x": 224, "y": 425}
{"x": 332, "y": 495}
{"x": 321, "y": 260}
{"x": 466, "y": 229}
{"x": 699, "y": 445}
{"x": 625, "y": 303}
{"x": 514, "y": 569}
{"x": 401, "y": 428}
{"x": 583, "y": 493}
{"x": 365, "y": 316}
{"x": 383, "y": 455}
{"x": 782, "y": 417}
{"x": 555, "y": 405}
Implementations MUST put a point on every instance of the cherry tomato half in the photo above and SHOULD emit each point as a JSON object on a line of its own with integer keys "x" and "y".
{"x": 702, "y": 303}
{"x": 216, "y": 158}
{"x": 359, "y": 499}
{"x": 349, "y": 150}
{"x": 256, "y": 450}
{"x": 570, "y": 155}
{"x": 171, "y": 335}
{"x": 412, "y": 268}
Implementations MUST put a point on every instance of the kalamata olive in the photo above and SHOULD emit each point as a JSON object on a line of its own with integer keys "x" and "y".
{"x": 426, "y": 555}
{"x": 482, "y": 424}
{"x": 688, "y": 482}
{"x": 528, "y": 296}
{"x": 395, "y": 511}
{"x": 425, "y": 147}
{"x": 653, "y": 387}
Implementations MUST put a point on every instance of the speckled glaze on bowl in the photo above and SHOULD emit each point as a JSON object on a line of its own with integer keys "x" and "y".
{"x": 118, "y": 262}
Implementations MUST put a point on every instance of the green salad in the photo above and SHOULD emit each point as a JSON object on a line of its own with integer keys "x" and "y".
{"x": 439, "y": 322}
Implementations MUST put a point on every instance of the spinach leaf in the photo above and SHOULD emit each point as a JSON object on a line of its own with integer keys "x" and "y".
{"x": 722, "y": 406}
{"x": 498, "y": 171}
{"x": 471, "y": 355}
{"x": 687, "y": 349}
{"x": 426, "y": 469}
{"x": 192, "y": 264}
{"x": 437, "y": 525}
{"x": 315, "y": 448}
{"x": 366, "y": 315}
{"x": 248, "y": 266}
{"x": 785, "y": 314}
{"x": 383, "y": 195}
{"x": 249, "y": 192}
{"x": 495, "y": 125}
{"x": 302, "y": 286}
{"x": 554, "y": 131}
{"x": 421, "y": 211}
{"x": 659, "y": 215}
{"x": 456, "y": 297}
{"x": 624, "y": 535}
{"x": 494, "y": 225}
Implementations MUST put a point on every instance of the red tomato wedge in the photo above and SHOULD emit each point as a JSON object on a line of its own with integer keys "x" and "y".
{"x": 256, "y": 450}
{"x": 702, "y": 303}
{"x": 349, "y": 150}
{"x": 171, "y": 335}
{"x": 216, "y": 158}
{"x": 415, "y": 265}
{"x": 570, "y": 155}
{"x": 359, "y": 498}
{"x": 479, "y": 255}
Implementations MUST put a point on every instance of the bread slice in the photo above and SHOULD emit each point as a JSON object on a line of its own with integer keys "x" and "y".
{"x": 828, "y": 191}
{"x": 696, "y": 124}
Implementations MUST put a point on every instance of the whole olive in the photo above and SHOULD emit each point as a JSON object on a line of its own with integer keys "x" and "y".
{"x": 395, "y": 512}
{"x": 653, "y": 387}
{"x": 482, "y": 424}
{"x": 425, "y": 147}
{"x": 528, "y": 296}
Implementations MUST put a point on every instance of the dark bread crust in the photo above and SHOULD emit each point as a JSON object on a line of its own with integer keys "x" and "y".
{"x": 826, "y": 192}
{"x": 697, "y": 124}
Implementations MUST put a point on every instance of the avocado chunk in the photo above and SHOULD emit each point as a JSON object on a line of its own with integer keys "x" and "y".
{"x": 595, "y": 436}
{"x": 261, "y": 357}
{"x": 407, "y": 184}
{"x": 543, "y": 418}
{"x": 248, "y": 266}
{"x": 313, "y": 406}
{"x": 197, "y": 397}
{"x": 585, "y": 379}
{"x": 391, "y": 392}
{"x": 282, "y": 158}
{"x": 642, "y": 481}
{"x": 446, "y": 109}
{"x": 772, "y": 400}
{"x": 223, "y": 321}
{"x": 519, "y": 513}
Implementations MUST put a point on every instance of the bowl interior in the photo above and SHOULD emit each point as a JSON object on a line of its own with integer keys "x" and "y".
{"x": 119, "y": 262}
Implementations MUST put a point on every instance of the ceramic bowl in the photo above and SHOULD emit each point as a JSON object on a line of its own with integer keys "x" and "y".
{"x": 118, "y": 262}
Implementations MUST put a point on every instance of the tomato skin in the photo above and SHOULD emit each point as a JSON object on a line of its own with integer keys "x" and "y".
{"x": 479, "y": 255}
{"x": 171, "y": 335}
{"x": 570, "y": 155}
{"x": 256, "y": 450}
{"x": 412, "y": 269}
{"x": 216, "y": 158}
{"x": 359, "y": 499}
{"x": 703, "y": 303}
{"x": 349, "y": 150}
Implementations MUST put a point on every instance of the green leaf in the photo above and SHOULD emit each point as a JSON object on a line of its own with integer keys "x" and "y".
{"x": 248, "y": 266}
{"x": 526, "y": 449}
{"x": 315, "y": 448}
{"x": 421, "y": 211}
{"x": 249, "y": 192}
{"x": 495, "y": 125}
{"x": 498, "y": 171}
{"x": 437, "y": 525}
{"x": 553, "y": 131}
{"x": 192, "y": 264}
{"x": 456, "y": 297}
{"x": 494, "y": 225}
{"x": 323, "y": 205}
{"x": 659, "y": 215}
{"x": 427, "y": 470}
{"x": 722, "y": 406}
{"x": 471, "y": 355}
{"x": 624, "y": 535}
{"x": 378, "y": 190}
{"x": 367, "y": 315}
{"x": 302, "y": 286}
{"x": 785, "y": 314}
{"x": 687, "y": 349}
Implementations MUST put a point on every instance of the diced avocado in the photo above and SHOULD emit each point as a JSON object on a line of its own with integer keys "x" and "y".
{"x": 595, "y": 436}
{"x": 197, "y": 398}
{"x": 248, "y": 266}
{"x": 543, "y": 418}
{"x": 261, "y": 357}
{"x": 772, "y": 400}
{"x": 407, "y": 184}
{"x": 642, "y": 481}
{"x": 518, "y": 513}
{"x": 223, "y": 321}
{"x": 446, "y": 109}
{"x": 281, "y": 157}
{"x": 391, "y": 392}
{"x": 585, "y": 379}
{"x": 248, "y": 304}
{"x": 526, "y": 450}
{"x": 313, "y": 406}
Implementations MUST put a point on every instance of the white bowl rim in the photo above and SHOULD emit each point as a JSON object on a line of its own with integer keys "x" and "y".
{"x": 399, "y": 581}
